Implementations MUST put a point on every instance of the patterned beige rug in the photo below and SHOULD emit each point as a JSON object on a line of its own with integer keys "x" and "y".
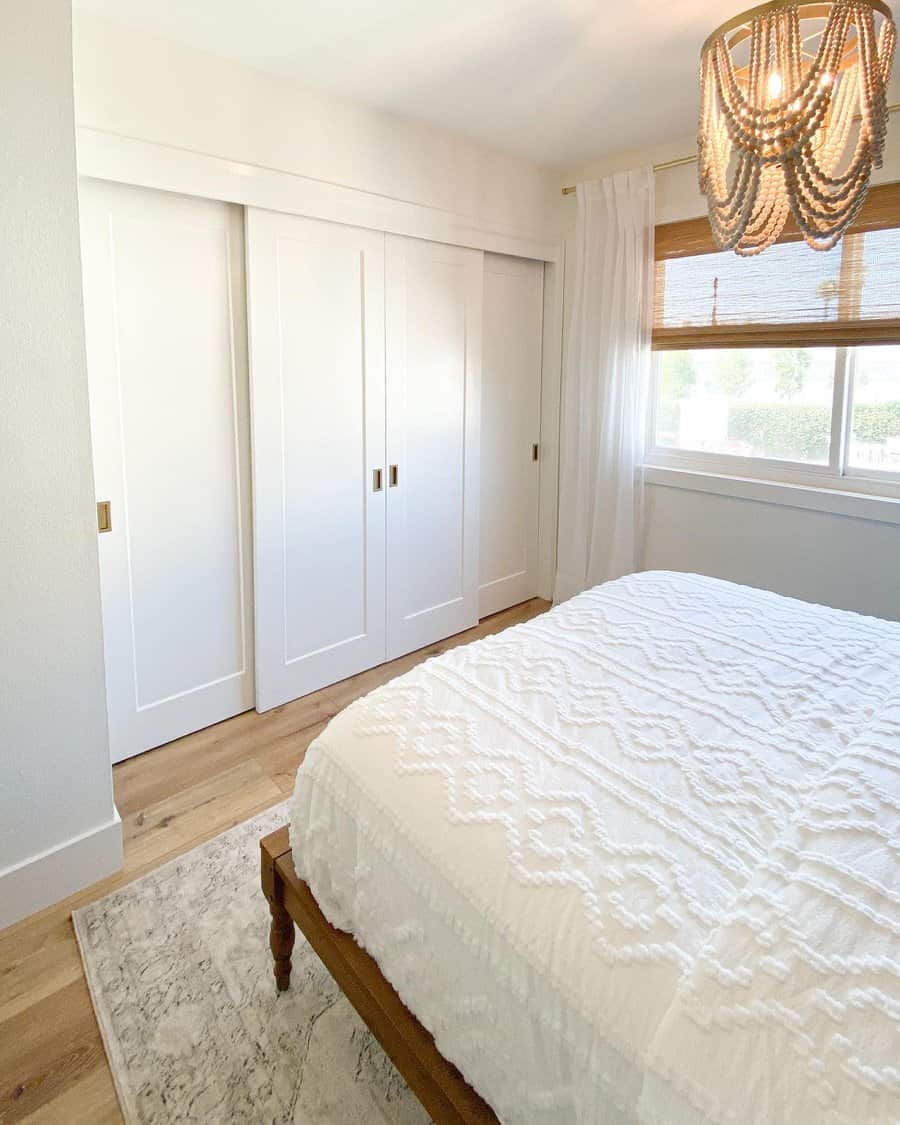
{"x": 179, "y": 970}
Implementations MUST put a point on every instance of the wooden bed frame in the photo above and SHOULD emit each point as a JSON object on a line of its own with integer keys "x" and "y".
{"x": 439, "y": 1086}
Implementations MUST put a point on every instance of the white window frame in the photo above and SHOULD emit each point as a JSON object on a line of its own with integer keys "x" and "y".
{"x": 837, "y": 475}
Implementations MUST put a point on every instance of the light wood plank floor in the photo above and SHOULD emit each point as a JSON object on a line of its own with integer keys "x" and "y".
{"x": 52, "y": 1064}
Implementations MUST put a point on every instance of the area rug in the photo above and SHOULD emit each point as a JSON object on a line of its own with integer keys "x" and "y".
{"x": 180, "y": 973}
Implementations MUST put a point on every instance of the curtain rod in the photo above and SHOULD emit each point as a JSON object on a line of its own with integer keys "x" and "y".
{"x": 682, "y": 160}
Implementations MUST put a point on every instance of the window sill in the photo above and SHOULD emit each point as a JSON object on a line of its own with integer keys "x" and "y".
{"x": 811, "y": 497}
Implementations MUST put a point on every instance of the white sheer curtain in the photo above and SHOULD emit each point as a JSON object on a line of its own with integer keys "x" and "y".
{"x": 605, "y": 384}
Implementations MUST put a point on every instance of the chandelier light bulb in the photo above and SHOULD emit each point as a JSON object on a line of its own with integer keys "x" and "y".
{"x": 793, "y": 118}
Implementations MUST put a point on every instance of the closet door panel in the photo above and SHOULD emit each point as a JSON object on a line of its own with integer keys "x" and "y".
{"x": 317, "y": 370}
{"x": 510, "y": 428}
{"x": 434, "y": 297}
{"x": 164, "y": 301}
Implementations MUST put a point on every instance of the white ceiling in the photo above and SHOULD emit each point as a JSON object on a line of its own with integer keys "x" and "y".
{"x": 557, "y": 81}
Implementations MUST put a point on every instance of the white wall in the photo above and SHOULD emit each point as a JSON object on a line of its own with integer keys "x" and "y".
{"x": 821, "y": 557}
{"x": 58, "y": 826}
{"x": 141, "y": 86}
{"x": 848, "y": 562}
{"x": 677, "y": 193}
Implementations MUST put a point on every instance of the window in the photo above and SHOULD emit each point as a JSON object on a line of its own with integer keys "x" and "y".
{"x": 771, "y": 403}
{"x": 782, "y": 365}
{"x": 874, "y": 439}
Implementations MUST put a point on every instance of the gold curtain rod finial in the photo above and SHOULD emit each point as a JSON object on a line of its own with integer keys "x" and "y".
{"x": 678, "y": 162}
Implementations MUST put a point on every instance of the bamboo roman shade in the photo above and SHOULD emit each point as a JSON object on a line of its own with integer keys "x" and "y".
{"x": 789, "y": 295}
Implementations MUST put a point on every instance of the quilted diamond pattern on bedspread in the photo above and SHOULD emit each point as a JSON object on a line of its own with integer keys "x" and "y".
{"x": 573, "y": 810}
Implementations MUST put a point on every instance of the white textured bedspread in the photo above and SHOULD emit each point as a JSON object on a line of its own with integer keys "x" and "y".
{"x": 636, "y": 860}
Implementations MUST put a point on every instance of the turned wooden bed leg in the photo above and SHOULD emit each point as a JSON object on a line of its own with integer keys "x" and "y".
{"x": 281, "y": 942}
{"x": 281, "y": 931}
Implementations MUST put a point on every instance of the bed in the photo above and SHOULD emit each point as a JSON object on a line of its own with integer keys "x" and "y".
{"x": 635, "y": 860}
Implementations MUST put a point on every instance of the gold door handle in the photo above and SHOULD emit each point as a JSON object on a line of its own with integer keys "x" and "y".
{"x": 393, "y": 475}
{"x": 376, "y": 480}
{"x": 104, "y": 516}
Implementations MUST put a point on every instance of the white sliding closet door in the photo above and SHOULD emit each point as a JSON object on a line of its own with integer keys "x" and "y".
{"x": 166, "y": 340}
{"x": 434, "y": 314}
{"x": 510, "y": 429}
{"x": 317, "y": 387}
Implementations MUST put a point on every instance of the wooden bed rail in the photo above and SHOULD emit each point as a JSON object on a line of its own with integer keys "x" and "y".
{"x": 439, "y": 1086}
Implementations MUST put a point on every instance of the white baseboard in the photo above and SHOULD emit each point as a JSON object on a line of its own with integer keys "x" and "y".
{"x": 52, "y": 875}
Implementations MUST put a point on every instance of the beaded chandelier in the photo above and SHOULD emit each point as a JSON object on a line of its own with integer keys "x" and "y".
{"x": 793, "y": 116}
